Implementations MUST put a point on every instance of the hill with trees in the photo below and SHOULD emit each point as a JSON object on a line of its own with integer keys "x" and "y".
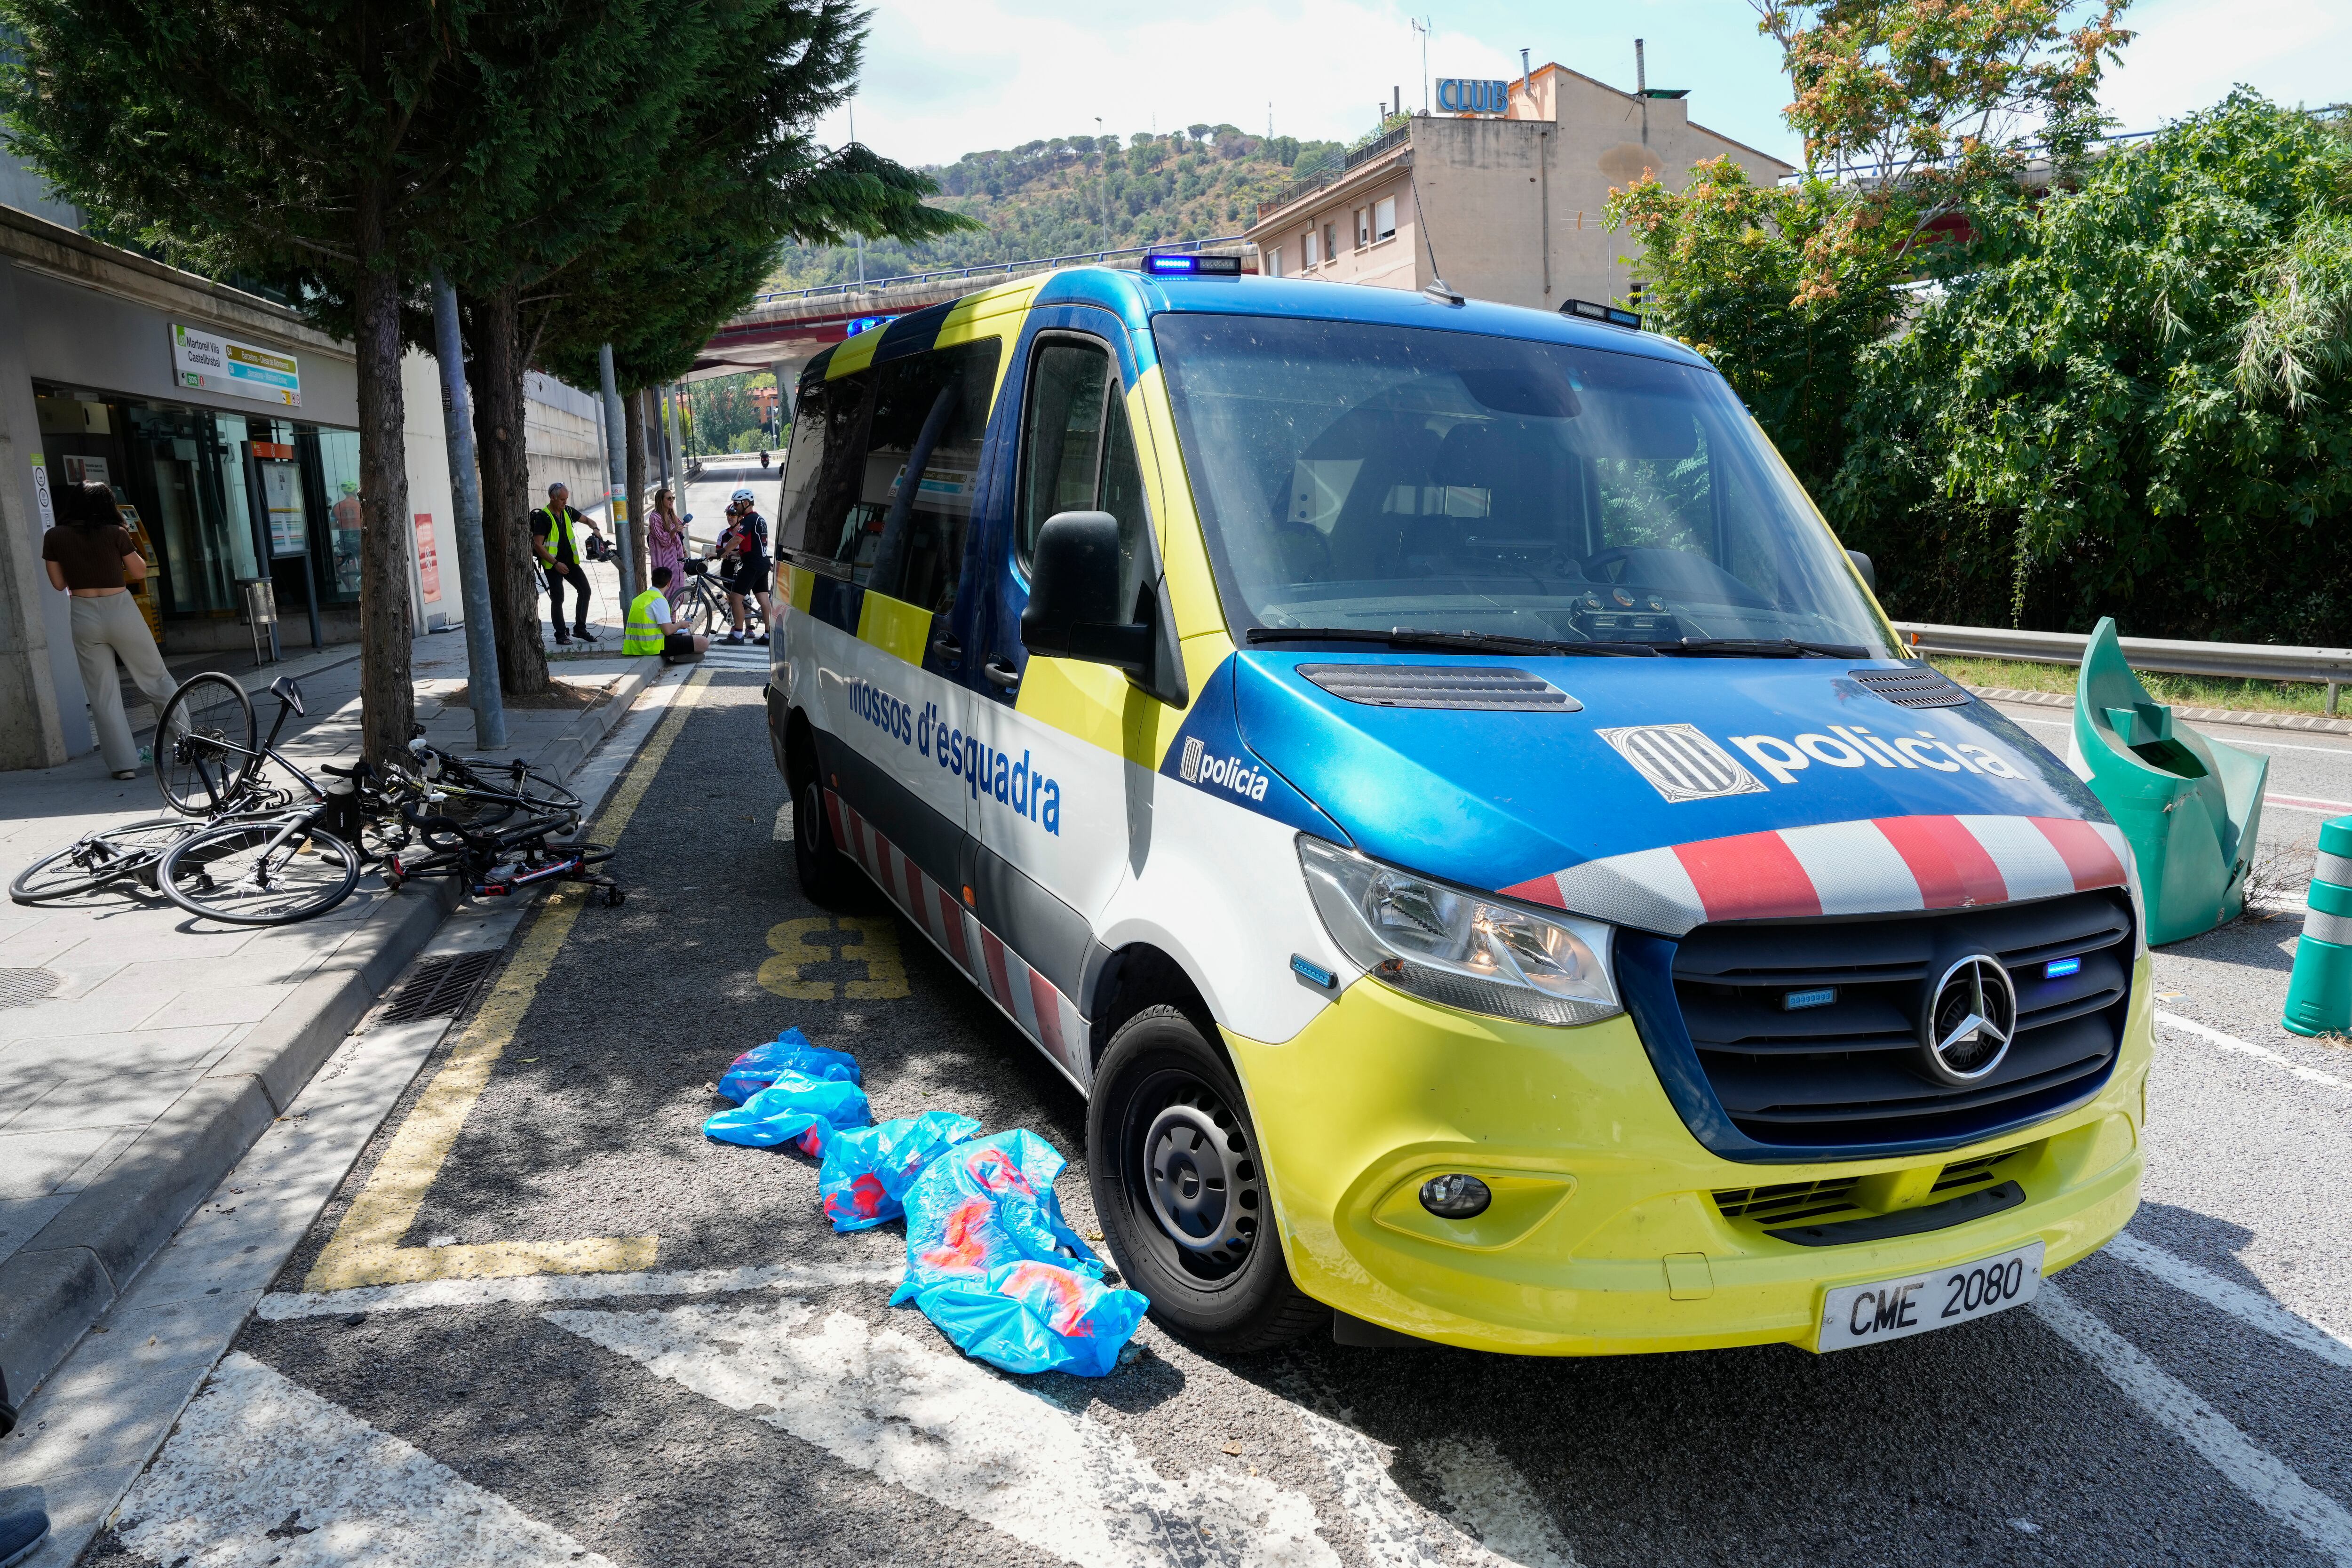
{"x": 1082, "y": 193}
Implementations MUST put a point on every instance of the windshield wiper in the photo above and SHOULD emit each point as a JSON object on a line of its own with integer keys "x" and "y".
{"x": 1760, "y": 647}
{"x": 1461, "y": 642}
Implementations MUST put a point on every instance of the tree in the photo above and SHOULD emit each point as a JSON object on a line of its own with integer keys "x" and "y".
{"x": 2143, "y": 409}
{"x": 1920, "y": 118}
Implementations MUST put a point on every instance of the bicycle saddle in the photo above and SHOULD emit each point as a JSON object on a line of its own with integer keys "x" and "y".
{"x": 286, "y": 691}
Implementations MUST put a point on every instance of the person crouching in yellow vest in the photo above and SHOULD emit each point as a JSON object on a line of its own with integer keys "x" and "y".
{"x": 652, "y": 630}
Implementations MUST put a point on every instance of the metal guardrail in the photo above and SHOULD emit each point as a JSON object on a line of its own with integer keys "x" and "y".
{"x": 998, "y": 268}
{"x": 2329, "y": 667}
{"x": 1332, "y": 172}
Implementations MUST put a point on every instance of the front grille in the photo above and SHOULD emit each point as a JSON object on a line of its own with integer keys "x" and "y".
{"x": 1849, "y": 1072}
{"x": 1920, "y": 688}
{"x": 1455, "y": 686}
{"x": 1787, "y": 1201}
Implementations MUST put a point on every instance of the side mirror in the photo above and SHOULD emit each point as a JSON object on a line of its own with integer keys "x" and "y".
{"x": 1861, "y": 565}
{"x": 1074, "y": 609}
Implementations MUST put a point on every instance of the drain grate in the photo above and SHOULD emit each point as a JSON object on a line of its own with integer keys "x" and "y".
{"x": 439, "y": 987}
{"x": 23, "y": 987}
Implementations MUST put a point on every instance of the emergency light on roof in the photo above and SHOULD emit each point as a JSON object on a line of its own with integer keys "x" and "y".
{"x": 1193, "y": 266}
{"x": 1593, "y": 313}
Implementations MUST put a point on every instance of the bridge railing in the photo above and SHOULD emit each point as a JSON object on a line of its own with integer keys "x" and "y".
{"x": 997, "y": 269}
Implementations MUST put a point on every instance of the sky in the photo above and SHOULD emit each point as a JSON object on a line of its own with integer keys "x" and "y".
{"x": 944, "y": 77}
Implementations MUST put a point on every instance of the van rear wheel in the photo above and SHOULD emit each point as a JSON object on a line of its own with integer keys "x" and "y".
{"x": 1178, "y": 1181}
{"x": 825, "y": 873}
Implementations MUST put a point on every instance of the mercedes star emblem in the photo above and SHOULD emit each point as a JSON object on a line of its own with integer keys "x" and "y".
{"x": 1971, "y": 1017}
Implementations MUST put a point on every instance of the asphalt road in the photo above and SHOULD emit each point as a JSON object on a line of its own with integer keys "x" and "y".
{"x": 732, "y": 1388}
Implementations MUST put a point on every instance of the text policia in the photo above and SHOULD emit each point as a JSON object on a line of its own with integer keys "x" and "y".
{"x": 987, "y": 772}
{"x": 1853, "y": 747}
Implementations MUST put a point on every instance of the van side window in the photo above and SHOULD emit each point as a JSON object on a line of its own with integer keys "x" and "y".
{"x": 921, "y": 469}
{"x": 1078, "y": 452}
{"x": 822, "y": 476}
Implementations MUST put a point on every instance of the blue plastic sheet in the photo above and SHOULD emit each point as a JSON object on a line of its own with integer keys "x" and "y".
{"x": 796, "y": 1109}
{"x": 868, "y": 1171}
{"x": 791, "y": 1051}
{"x": 992, "y": 1261}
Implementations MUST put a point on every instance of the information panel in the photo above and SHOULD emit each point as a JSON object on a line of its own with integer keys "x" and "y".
{"x": 211, "y": 363}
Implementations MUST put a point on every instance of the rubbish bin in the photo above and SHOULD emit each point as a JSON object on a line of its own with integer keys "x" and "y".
{"x": 259, "y": 599}
{"x": 2192, "y": 806}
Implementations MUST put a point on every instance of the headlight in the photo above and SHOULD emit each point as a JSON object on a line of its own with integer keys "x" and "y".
{"x": 1459, "y": 949}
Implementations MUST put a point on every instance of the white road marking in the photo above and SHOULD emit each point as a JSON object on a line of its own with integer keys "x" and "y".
{"x": 956, "y": 1433}
{"x": 1487, "y": 1490}
{"x": 2248, "y": 1305}
{"x": 2266, "y": 1481}
{"x": 256, "y": 1453}
{"x": 2068, "y": 725}
{"x": 2247, "y": 1048}
{"x": 2299, "y": 802}
{"x": 784, "y": 822}
{"x": 1478, "y": 1483}
{"x": 539, "y": 1287}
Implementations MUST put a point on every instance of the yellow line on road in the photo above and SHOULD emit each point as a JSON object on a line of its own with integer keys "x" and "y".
{"x": 366, "y": 1247}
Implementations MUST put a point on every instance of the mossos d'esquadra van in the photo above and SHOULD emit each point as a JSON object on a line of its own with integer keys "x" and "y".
{"x": 1430, "y": 779}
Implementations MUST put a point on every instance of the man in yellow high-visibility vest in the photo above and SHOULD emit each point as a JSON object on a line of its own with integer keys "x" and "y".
{"x": 555, "y": 543}
{"x": 652, "y": 629}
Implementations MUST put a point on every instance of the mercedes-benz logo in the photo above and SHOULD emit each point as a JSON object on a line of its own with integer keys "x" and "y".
{"x": 1970, "y": 1015}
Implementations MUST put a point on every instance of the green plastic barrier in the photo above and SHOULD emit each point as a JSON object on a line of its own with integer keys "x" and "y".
{"x": 2192, "y": 806}
{"x": 2319, "y": 991}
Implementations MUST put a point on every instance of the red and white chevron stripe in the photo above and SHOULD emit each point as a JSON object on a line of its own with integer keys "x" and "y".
{"x": 1027, "y": 997}
{"x": 1878, "y": 866}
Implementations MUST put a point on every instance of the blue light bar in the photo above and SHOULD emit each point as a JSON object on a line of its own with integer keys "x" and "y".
{"x": 1193, "y": 266}
{"x": 1593, "y": 313}
{"x": 868, "y": 323}
{"x": 2059, "y": 968}
{"x": 1796, "y": 1001}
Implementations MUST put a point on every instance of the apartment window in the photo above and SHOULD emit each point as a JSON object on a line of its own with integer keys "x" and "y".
{"x": 1330, "y": 240}
{"x": 1273, "y": 262}
{"x": 1307, "y": 249}
{"x": 1363, "y": 227}
{"x": 1384, "y": 218}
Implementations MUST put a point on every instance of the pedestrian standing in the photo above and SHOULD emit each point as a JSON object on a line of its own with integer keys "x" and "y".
{"x": 665, "y": 538}
{"x": 92, "y": 556}
{"x": 555, "y": 539}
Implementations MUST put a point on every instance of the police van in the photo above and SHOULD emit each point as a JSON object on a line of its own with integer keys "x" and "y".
{"x": 1427, "y": 775}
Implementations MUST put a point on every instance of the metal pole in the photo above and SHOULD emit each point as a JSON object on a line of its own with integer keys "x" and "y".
{"x": 483, "y": 693}
{"x": 617, "y": 461}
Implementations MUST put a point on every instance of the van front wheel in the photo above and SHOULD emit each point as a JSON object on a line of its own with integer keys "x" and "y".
{"x": 1179, "y": 1183}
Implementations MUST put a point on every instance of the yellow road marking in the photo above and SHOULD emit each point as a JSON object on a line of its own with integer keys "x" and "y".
{"x": 786, "y": 974}
{"x": 366, "y": 1247}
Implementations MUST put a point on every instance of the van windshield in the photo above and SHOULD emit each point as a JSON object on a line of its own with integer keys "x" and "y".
{"x": 1371, "y": 479}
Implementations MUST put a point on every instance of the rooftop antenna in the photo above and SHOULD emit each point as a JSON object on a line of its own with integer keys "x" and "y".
{"x": 1421, "y": 24}
{"x": 1641, "y": 89}
{"x": 1439, "y": 289}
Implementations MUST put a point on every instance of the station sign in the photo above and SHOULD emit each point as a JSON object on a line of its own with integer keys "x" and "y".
{"x": 209, "y": 364}
{"x": 1463, "y": 95}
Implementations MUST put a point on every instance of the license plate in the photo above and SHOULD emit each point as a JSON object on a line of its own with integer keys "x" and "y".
{"x": 1896, "y": 1309}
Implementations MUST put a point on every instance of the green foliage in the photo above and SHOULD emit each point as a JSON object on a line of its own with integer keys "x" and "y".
{"x": 723, "y": 417}
{"x": 1057, "y": 198}
{"x": 2144, "y": 408}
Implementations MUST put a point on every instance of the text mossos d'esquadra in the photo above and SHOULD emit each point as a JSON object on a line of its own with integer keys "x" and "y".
{"x": 987, "y": 772}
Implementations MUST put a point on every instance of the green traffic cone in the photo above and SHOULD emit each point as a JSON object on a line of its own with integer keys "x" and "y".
{"x": 2319, "y": 991}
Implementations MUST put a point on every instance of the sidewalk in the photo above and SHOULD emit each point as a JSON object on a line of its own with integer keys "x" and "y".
{"x": 152, "y": 1047}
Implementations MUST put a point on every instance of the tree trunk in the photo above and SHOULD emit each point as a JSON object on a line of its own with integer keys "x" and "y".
{"x": 633, "y": 426}
{"x": 495, "y": 373}
{"x": 387, "y": 700}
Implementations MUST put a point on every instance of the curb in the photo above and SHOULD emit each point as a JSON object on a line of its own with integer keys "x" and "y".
{"x": 2239, "y": 716}
{"x": 63, "y": 1279}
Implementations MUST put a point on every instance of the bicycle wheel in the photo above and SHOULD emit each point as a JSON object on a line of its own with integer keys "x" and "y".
{"x": 258, "y": 874}
{"x": 97, "y": 859}
{"x": 203, "y": 744}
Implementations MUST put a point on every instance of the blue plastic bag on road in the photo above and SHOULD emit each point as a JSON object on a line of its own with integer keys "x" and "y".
{"x": 868, "y": 1171}
{"x": 791, "y": 1051}
{"x": 796, "y": 1109}
{"x": 992, "y": 1261}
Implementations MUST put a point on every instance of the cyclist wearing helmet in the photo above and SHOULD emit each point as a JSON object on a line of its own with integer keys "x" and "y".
{"x": 745, "y": 543}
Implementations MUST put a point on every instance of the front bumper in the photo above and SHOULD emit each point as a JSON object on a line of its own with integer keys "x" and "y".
{"x": 1605, "y": 1236}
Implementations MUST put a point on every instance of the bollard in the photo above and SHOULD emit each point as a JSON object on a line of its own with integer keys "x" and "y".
{"x": 2320, "y": 993}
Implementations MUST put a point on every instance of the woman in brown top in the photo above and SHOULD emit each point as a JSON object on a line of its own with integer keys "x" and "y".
{"x": 91, "y": 556}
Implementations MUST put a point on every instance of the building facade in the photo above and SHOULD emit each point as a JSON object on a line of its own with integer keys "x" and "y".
{"x": 1507, "y": 207}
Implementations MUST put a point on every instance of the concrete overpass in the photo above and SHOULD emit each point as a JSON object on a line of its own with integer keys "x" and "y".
{"x": 783, "y": 331}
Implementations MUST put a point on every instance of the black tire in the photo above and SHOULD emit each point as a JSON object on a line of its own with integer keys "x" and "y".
{"x": 197, "y": 778}
{"x": 219, "y": 873}
{"x": 133, "y": 849}
{"x": 1173, "y": 1159}
{"x": 826, "y": 875}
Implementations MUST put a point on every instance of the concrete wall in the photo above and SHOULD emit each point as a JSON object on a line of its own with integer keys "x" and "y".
{"x": 564, "y": 431}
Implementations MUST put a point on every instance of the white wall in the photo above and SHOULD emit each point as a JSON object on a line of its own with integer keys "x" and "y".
{"x": 435, "y": 600}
